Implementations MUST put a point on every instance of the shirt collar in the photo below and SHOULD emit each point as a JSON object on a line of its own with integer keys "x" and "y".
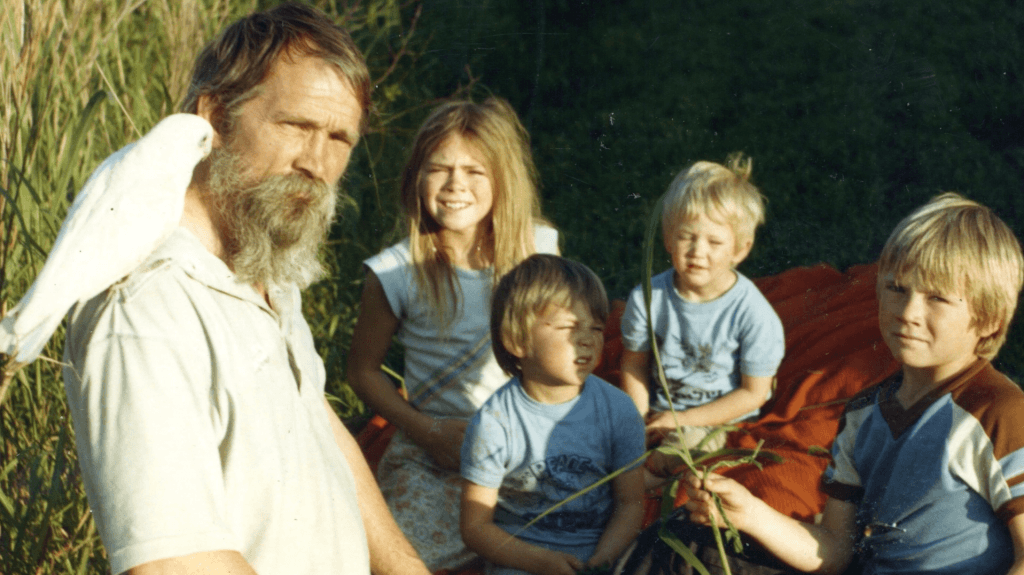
{"x": 900, "y": 419}
{"x": 185, "y": 250}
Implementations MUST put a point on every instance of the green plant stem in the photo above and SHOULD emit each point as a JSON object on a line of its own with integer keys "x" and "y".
{"x": 720, "y": 544}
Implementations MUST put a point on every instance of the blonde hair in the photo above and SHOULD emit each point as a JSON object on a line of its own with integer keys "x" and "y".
{"x": 954, "y": 244}
{"x": 718, "y": 192}
{"x": 539, "y": 281}
{"x": 495, "y": 131}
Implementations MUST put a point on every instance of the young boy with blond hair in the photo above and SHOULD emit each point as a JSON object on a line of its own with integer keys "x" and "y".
{"x": 928, "y": 466}
{"x": 551, "y": 431}
{"x": 719, "y": 340}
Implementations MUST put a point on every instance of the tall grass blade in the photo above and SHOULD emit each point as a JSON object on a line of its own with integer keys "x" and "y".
{"x": 53, "y": 496}
{"x": 683, "y": 550}
{"x": 650, "y": 237}
{"x": 74, "y": 147}
{"x": 12, "y": 204}
{"x": 584, "y": 491}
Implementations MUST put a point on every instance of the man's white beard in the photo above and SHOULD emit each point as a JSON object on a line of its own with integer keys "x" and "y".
{"x": 273, "y": 228}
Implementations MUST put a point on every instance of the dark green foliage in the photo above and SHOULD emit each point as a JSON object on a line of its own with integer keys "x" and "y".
{"x": 855, "y": 112}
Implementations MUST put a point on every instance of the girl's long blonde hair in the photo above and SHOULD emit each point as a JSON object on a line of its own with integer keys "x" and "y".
{"x": 495, "y": 130}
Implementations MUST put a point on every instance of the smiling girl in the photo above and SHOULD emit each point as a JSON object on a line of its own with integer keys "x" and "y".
{"x": 469, "y": 195}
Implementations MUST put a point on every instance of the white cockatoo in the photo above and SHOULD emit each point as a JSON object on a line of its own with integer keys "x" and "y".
{"x": 127, "y": 208}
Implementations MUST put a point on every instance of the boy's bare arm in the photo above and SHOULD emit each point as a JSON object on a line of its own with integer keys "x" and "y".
{"x": 825, "y": 548}
{"x": 626, "y": 519}
{"x": 1016, "y": 526}
{"x": 751, "y": 395}
{"x": 476, "y": 522}
{"x": 636, "y": 378}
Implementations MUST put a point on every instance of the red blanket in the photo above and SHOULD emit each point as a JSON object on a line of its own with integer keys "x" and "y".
{"x": 833, "y": 350}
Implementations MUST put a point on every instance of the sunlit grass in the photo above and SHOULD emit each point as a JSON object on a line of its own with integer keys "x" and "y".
{"x": 80, "y": 79}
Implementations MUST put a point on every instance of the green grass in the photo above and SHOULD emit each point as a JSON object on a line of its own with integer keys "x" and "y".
{"x": 81, "y": 78}
{"x": 855, "y": 111}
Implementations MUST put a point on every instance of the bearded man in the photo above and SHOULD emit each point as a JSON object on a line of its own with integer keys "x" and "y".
{"x": 205, "y": 442}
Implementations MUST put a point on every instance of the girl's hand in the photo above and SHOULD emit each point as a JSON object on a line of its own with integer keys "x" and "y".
{"x": 443, "y": 441}
{"x": 737, "y": 501}
{"x": 558, "y": 563}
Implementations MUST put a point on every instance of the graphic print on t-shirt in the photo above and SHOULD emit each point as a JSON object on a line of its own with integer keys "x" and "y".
{"x": 548, "y": 482}
{"x": 695, "y": 364}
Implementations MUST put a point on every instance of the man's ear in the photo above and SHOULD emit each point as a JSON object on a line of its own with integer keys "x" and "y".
{"x": 209, "y": 109}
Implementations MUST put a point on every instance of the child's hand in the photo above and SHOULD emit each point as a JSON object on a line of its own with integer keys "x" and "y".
{"x": 663, "y": 464}
{"x": 661, "y": 423}
{"x": 737, "y": 501}
{"x": 558, "y": 563}
{"x": 597, "y": 566}
{"x": 443, "y": 442}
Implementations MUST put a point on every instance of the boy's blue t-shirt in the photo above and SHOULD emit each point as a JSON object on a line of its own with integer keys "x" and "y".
{"x": 704, "y": 347}
{"x": 539, "y": 454}
{"x": 935, "y": 484}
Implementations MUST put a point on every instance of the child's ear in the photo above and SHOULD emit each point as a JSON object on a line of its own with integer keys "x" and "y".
{"x": 513, "y": 347}
{"x": 742, "y": 251}
{"x": 988, "y": 330}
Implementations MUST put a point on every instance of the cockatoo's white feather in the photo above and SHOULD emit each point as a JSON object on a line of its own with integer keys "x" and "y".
{"x": 127, "y": 208}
